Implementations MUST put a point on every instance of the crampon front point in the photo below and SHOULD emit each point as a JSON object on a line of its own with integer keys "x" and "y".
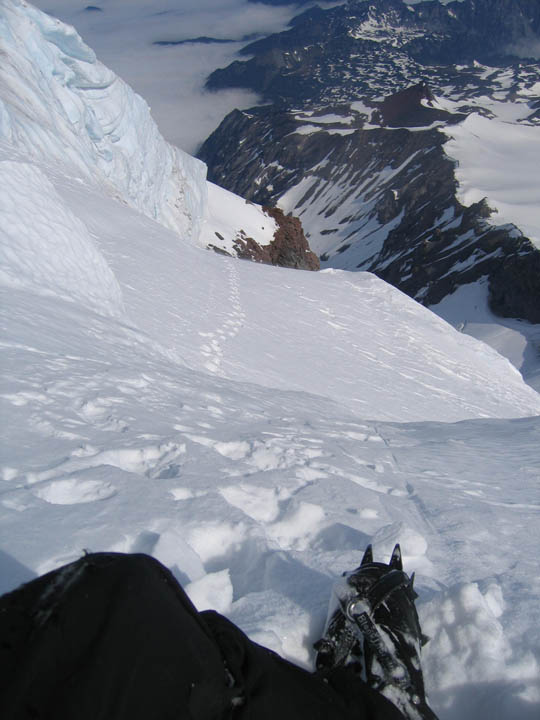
{"x": 373, "y": 626}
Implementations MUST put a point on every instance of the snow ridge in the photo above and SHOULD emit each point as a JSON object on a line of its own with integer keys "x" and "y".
{"x": 45, "y": 248}
{"x": 61, "y": 105}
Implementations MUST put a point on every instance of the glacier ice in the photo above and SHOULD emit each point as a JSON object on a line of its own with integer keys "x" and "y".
{"x": 60, "y": 105}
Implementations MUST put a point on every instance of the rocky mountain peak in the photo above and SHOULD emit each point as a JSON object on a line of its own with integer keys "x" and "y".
{"x": 414, "y": 106}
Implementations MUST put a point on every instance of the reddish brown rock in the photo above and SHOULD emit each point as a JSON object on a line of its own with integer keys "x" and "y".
{"x": 289, "y": 248}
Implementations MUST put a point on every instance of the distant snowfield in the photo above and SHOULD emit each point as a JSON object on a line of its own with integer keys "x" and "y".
{"x": 254, "y": 428}
{"x": 500, "y": 162}
{"x": 518, "y": 340}
{"x": 498, "y": 159}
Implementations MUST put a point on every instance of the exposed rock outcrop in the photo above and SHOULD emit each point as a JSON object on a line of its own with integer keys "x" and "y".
{"x": 412, "y": 107}
{"x": 289, "y": 248}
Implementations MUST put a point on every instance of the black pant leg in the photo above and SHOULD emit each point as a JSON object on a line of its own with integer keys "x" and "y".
{"x": 275, "y": 689}
{"x": 109, "y": 637}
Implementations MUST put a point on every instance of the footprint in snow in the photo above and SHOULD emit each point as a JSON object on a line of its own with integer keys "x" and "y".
{"x": 299, "y": 526}
{"x": 72, "y": 491}
{"x": 259, "y": 503}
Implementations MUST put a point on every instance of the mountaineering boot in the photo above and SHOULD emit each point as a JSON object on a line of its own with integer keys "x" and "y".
{"x": 373, "y": 625}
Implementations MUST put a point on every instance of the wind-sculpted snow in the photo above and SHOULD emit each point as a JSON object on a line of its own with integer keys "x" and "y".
{"x": 60, "y": 105}
{"x": 62, "y": 109}
{"x": 45, "y": 247}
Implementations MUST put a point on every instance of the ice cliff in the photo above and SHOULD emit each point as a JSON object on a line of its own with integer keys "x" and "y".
{"x": 60, "y": 106}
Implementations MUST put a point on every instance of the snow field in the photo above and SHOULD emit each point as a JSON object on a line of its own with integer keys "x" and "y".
{"x": 49, "y": 249}
{"x": 468, "y": 645}
{"x": 467, "y": 310}
{"x": 234, "y": 319}
{"x": 257, "y": 509}
{"x": 499, "y": 161}
{"x": 229, "y": 218}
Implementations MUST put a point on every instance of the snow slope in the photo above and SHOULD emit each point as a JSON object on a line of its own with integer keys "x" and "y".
{"x": 230, "y": 218}
{"x": 467, "y": 310}
{"x": 178, "y": 424}
{"x": 254, "y": 428}
{"x": 299, "y": 330}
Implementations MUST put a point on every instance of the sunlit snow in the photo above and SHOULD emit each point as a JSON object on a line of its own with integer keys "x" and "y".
{"x": 518, "y": 340}
{"x": 229, "y": 217}
{"x": 499, "y": 162}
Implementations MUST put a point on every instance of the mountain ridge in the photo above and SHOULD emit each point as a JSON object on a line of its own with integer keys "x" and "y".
{"x": 355, "y": 142}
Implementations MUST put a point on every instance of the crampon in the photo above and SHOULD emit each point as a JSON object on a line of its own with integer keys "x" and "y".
{"x": 373, "y": 625}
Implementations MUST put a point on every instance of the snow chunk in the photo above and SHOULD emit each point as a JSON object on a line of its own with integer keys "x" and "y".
{"x": 213, "y": 540}
{"x": 468, "y": 644}
{"x": 297, "y": 527}
{"x": 260, "y": 503}
{"x": 275, "y": 621}
{"x": 212, "y": 592}
{"x": 413, "y": 546}
{"x": 72, "y": 491}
